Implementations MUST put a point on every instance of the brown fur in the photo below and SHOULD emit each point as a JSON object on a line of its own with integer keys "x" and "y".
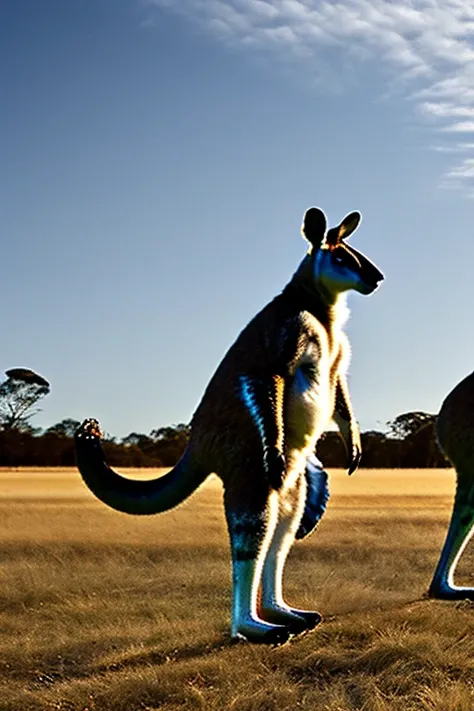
{"x": 224, "y": 437}
{"x": 257, "y": 426}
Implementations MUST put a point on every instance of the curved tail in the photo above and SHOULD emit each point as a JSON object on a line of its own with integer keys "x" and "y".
{"x": 130, "y": 495}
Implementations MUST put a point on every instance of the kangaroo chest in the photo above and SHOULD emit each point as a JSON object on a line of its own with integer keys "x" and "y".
{"x": 310, "y": 394}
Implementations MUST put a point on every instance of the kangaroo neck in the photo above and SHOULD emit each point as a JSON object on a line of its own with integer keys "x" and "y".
{"x": 305, "y": 295}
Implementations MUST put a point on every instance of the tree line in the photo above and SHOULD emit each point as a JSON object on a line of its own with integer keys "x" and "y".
{"x": 408, "y": 441}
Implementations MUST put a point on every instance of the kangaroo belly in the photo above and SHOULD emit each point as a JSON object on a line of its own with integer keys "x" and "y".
{"x": 308, "y": 406}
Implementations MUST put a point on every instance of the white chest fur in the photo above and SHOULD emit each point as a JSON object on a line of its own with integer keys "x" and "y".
{"x": 310, "y": 398}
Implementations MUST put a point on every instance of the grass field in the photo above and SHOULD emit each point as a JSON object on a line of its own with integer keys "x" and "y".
{"x": 100, "y": 611}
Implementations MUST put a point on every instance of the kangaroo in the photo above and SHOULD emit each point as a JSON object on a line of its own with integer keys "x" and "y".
{"x": 455, "y": 432}
{"x": 257, "y": 426}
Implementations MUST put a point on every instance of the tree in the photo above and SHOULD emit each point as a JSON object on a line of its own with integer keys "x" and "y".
{"x": 142, "y": 448}
{"x": 65, "y": 428}
{"x": 137, "y": 439}
{"x": 409, "y": 423}
{"x": 170, "y": 442}
{"x": 415, "y": 436}
{"x": 377, "y": 449}
{"x": 19, "y": 394}
{"x": 331, "y": 450}
{"x": 171, "y": 434}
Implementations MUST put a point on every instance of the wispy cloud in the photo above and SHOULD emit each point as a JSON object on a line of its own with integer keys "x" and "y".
{"x": 454, "y": 148}
{"x": 426, "y": 46}
{"x": 444, "y": 110}
{"x": 465, "y": 170}
{"x": 460, "y": 127}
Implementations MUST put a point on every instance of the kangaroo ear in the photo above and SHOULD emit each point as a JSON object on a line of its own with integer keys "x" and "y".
{"x": 344, "y": 230}
{"x": 349, "y": 224}
{"x": 314, "y": 226}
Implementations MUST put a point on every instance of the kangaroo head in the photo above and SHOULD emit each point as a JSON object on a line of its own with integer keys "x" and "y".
{"x": 336, "y": 267}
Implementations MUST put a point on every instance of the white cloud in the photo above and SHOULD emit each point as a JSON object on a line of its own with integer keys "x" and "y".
{"x": 260, "y": 7}
{"x": 460, "y": 127}
{"x": 444, "y": 110}
{"x": 454, "y": 148}
{"x": 465, "y": 170}
{"x": 426, "y": 47}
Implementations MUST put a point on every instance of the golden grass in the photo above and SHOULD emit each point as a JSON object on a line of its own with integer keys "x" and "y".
{"x": 100, "y": 611}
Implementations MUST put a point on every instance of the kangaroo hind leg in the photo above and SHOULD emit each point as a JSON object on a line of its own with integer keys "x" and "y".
{"x": 251, "y": 521}
{"x": 272, "y": 605}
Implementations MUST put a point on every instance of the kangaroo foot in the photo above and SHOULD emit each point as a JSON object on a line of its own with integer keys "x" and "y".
{"x": 296, "y": 620}
{"x": 260, "y": 632}
{"x": 446, "y": 592}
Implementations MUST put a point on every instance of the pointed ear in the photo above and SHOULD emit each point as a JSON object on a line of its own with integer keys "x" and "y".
{"x": 349, "y": 224}
{"x": 344, "y": 230}
{"x": 314, "y": 226}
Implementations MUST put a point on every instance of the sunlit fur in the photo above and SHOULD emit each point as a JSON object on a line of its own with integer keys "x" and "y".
{"x": 341, "y": 269}
{"x": 257, "y": 426}
{"x": 455, "y": 430}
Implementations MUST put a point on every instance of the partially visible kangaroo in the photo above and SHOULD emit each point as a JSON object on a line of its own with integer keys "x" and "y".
{"x": 257, "y": 426}
{"x": 455, "y": 432}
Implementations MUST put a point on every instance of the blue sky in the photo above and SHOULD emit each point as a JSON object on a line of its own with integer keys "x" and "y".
{"x": 156, "y": 161}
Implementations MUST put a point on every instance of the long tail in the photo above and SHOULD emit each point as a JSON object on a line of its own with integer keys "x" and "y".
{"x": 129, "y": 495}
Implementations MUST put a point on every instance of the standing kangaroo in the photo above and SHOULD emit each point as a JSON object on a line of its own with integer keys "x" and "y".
{"x": 257, "y": 426}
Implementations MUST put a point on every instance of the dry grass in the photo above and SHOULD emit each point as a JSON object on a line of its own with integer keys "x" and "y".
{"x": 100, "y": 611}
